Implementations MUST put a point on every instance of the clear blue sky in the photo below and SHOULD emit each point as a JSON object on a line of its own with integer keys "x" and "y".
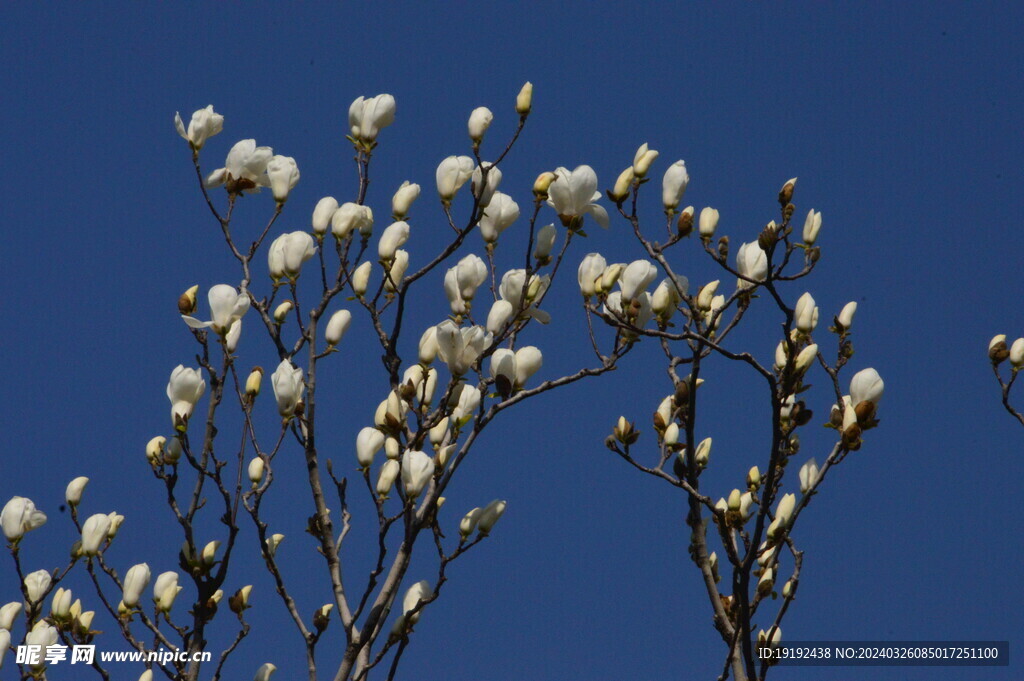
{"x": 903, "y": 124}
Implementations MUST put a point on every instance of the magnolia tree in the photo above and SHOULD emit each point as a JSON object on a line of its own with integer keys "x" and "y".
{"x": 441, "y": 387}
{"x": 752, "y": 525}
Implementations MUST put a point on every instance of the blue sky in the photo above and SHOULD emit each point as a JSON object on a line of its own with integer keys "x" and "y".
{"x": 902, "y": 123}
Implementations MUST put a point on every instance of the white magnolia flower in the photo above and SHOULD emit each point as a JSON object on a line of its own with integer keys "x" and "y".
{"x": 42, "y": 635}
{"x": 642, "y": 160}
{"x": 323, "y": 213}
{"x": 499, "y": 316}
{"x": 403, "y": 199}
{"x": 166, "y": 590}
{"x": 388, "y": 474}
{"x": 427, "y": 348}
{"x": 490, "y": 515}
{"x": 73, "y": 492}
{"x": 349, "y": 218}
{"x": 513, "y": 285}
{"x": 283, "y": 175}
{"x": 287, "y": 254}
{"x": 545, "y": 242}
{"x": 227, "y": 305}
{"x": 396, "y": 270}
{"x": 462, "y": 281}
{"x": 574, "y": 194}
{"x": 184, "y": 389}
{"x": 367, "y": 117}
{"x": 452, "y": 173}
{"x": 361, "y": 278}
{"x": 94, "y": 533}
{"x": 418, "y": 592}
{"x": 808, "y": 476}
{"x": 528, "y": 361}
{"x": 524, "y": 100}
{"x": 288, "y": 387}
{"x": 467, "y": 401}
{"x": 417, "y": 469}
{"x": 673, "y": 185}
{"x": 866, "y": 386}
{"x": 500, "y": 213}
{"x": 460, "y": 348}
{"x": 805, "y": 314}
{"x": 668, "y": 295}
{"x": 812, "y": 225}
{"x": 337, "y": 325}
{"x": 846, "y": 315}
{"x": 590, "y": 272}
{"x": 637, "y": 276}
{"x": 20, "y": 516}
{"x": 393, "y": 238}
{"x": 36, "y": 585}
{"x": 368, "y": 443}
{"x": 245, "y": 169}
{"x": 205, "y": 124}
{"x": 135, "y": 582}
{"x": 644, "y": 314}
{"x": 483, "y": 190}
{"x": 479, "y": 120}
{"x": 708, "y": 222}
{"x": 752, "y": 263}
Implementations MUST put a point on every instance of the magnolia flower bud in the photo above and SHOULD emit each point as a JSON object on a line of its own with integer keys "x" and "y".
{"x": 322, "y": 214}
{"x": 452, "y": 173}
{"x": 786, "y": 193}
{"x": 763, "y": 639}
{"x": 643, "y": 159}
{"x": 287, "y": 254}
{"x": 482, "y": 190}
{"x": 501, "y": 212}
{"x": 288, "y": 387}
{"x": 543, "y": 183}
{"x": 367, "y": 117}
{"x": 273, "y": 541}
{"x": 707, "y": 295}
{"x": 388, "y": 473}
{"x": 767, "y": 581}
{"x": 753, "y": 479}
{"x": 8, "y": 613}
{"x": 184, "y": 389}
{"x": 349, "y": 218}
{"x": 135, "y": 582}
{"x": 545, "y": 242}
{"x": 866, "y": 386}
{"x": 337, "y": 325}
{"x": 703, "y": 453}
{"x": 684, "y": 224}
{"x": 708, "y": 222}
{"x": 806, "y": 358}
{"x": 812, "y": 225}
{"x": 361, "y": 278}
{"x": 368, "y": 443}
{"x": 209, "y": 553}
{"x": 255, "y": 470}
{"x": 205, "y": 124}
{"x": 528, "y": 361}
{"x": 252, "y": 383}
{"x": 60, "y": 605}
{"x": 282, "y": 310}
{"x": 73, "y": 493}
{"x": 187, "y": 301}
{"x": 265, "y": 671}
{"x": 490, "y": 515}
{"x": 671, "y": 435}
{"x": 752, "y": 263}
{"x": 673, "y": 185}
{"x": 637, "y": 276}
{"x": 503, "y": 370}
{"x": 1017, "y": 353}
{"x": 479, "y": 121}
{"x": 417, "y": 593}
{"x": 623, "y": 185}
{"x": 283, "y": 174}
{"x": 428, "y": 345}
{"x": 396, "y": 270}
{"x": 392, "y": 448}
{"x": 172, "y": 454}
{"x": 808, "y": 476}
{"x": 591, "y": 269}
{"x": 805, "y": 314}
{"x": 498, "y": 317}
{"x": 393, "y": 238}
{"x": 94, "y": 533}
{"x": 403, "y": 198}
{"x": 417, "y": 469}
{"x": 784, "y": 511}
{"x": 468, "y": 523}
{"x": 115, "y": 524}
{"x": 36, "y": 585}
{"x": 845, "y": 317}
{"x": 524, "y": 100}
{"x": 166, "y": 590}
{"x": 610, "y": 277}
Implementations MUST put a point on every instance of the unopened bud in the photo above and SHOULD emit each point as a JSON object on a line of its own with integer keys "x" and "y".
{"x": 543, "y": 183}
{"x": 252, "y": 383}
{"x": 786, "y": 193}
{"x": 187, "y": 301}
{"x": 524, "y": 101}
